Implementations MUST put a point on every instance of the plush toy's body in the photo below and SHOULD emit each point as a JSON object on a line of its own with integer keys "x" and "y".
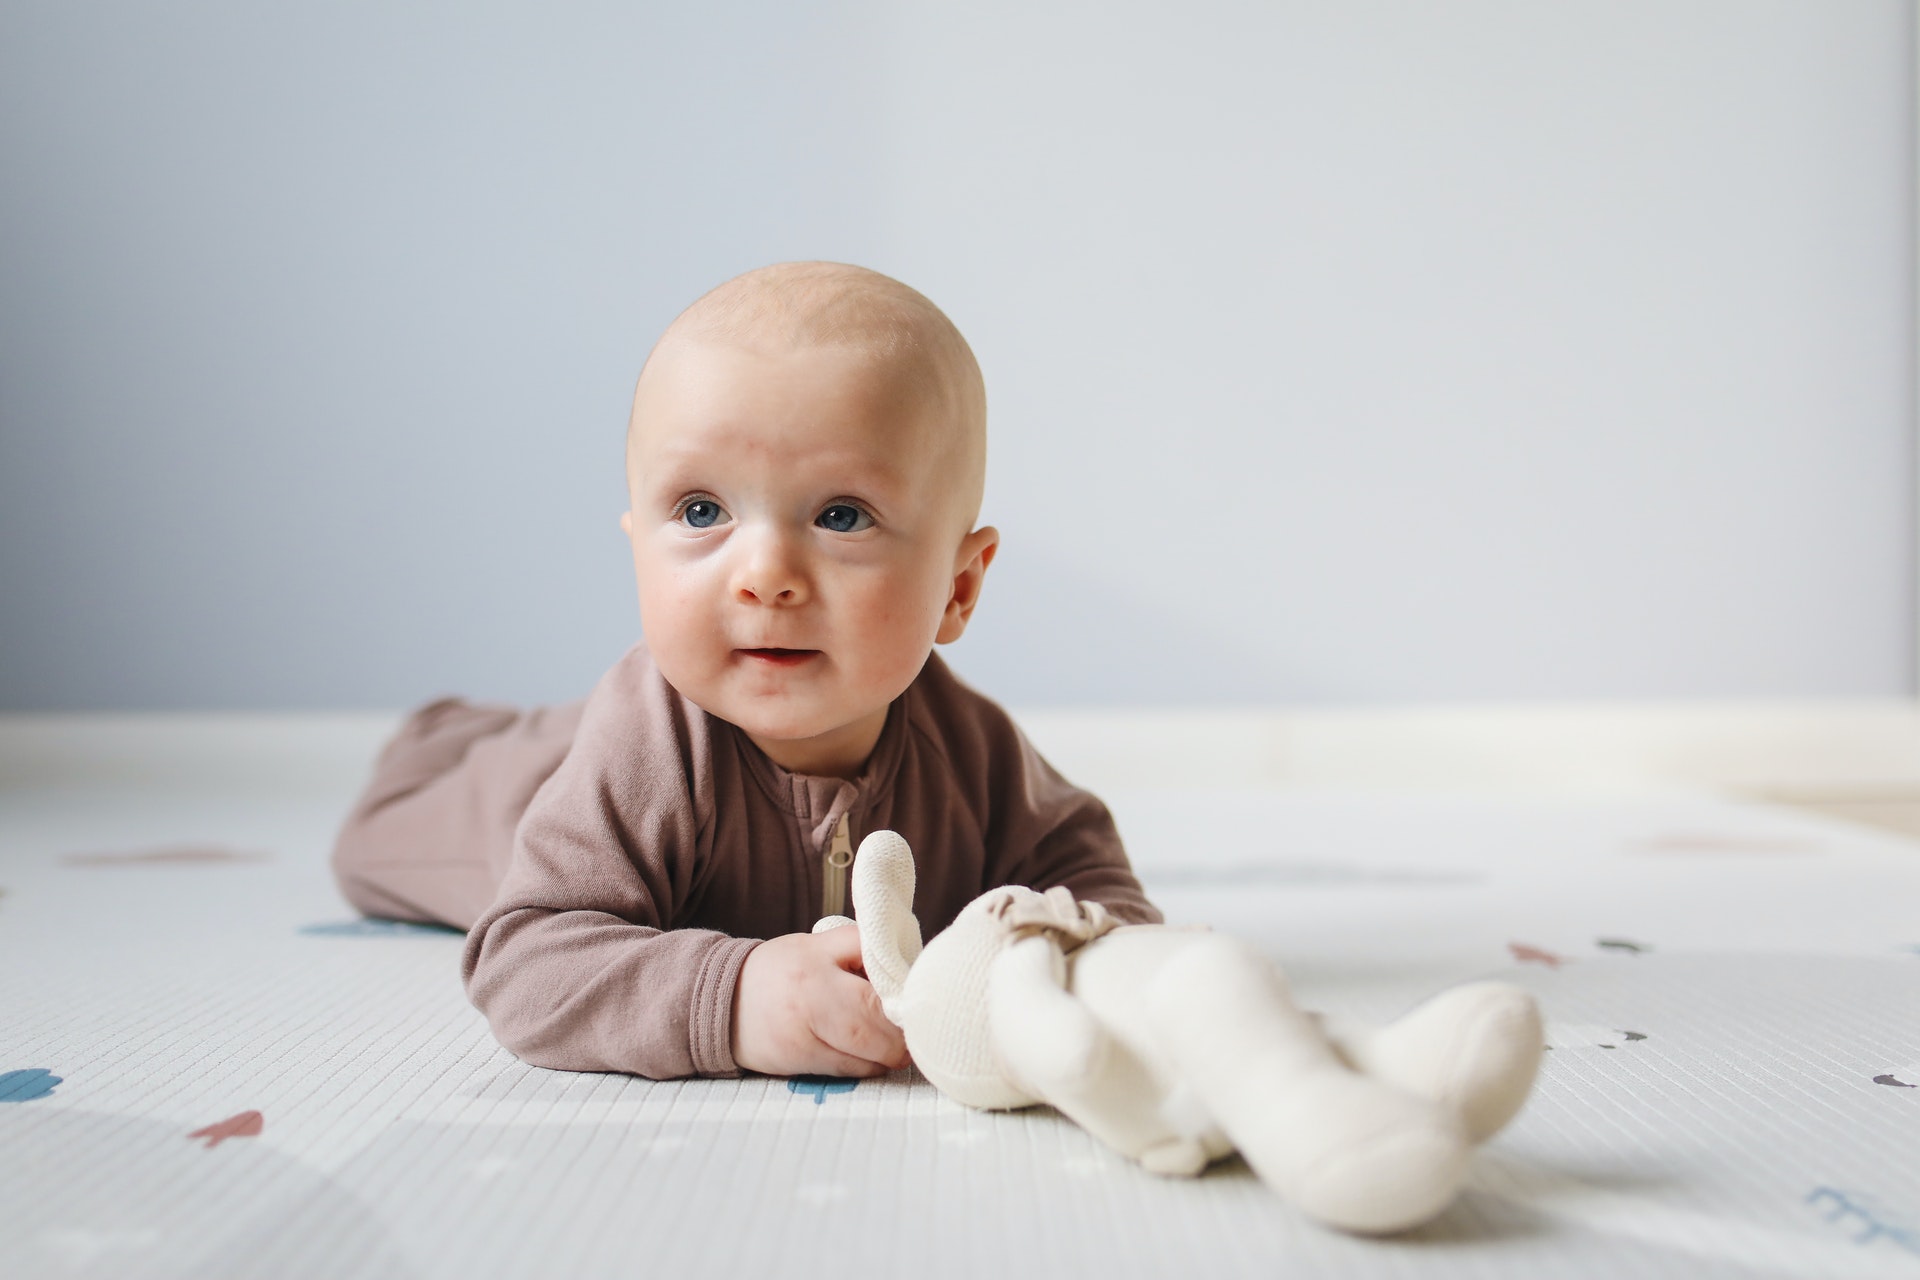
{"x": 1178, "y": 1046}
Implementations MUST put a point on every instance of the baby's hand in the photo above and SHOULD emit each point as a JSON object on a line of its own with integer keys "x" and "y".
{"x": 803, "y": 1006}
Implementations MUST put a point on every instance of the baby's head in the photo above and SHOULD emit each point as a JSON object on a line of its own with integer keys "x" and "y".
{"x": 804, "y": 463}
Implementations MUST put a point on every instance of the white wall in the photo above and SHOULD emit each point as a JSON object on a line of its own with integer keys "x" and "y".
{"x": 1357, "y": 352}
{"x": 1405, "y": 351}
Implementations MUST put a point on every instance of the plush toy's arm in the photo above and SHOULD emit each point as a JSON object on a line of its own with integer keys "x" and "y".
{"x": 1054, "y": 1048}
{"x": 883, "y": 898}
{"x": 1047, "y": 1039}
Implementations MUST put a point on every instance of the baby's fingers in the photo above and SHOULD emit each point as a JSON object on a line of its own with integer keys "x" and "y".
{"x": 825, "y": 1060}
{"x": 854, "y": 1024}
{"x": 842, "y": 947}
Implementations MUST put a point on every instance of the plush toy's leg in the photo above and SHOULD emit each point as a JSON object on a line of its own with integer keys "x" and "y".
{"x": 1176, "y": 1158}
{"x": 1474, "y": 1048}
{"x": 1351, "y": 1151}
{"x": 1056, "y": 1049}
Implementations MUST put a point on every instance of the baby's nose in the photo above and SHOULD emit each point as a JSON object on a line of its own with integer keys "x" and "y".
{"x": 772, "y": 572}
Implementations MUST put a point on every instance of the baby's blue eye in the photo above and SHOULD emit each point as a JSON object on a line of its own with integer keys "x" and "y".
{"x": 842, "y": 518}
{"x": 702, "y": 513}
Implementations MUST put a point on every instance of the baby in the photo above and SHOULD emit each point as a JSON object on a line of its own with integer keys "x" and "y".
{"x": 638, "y": 874}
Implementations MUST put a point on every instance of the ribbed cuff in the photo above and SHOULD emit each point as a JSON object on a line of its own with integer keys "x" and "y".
{"x": 710, "y": 1020}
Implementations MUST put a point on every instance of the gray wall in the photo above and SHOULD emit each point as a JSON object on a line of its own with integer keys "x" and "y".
{"x": 1355, "y": 353}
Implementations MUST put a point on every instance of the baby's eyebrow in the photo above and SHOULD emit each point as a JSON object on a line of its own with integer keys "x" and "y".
{"x": 670, "y": 473}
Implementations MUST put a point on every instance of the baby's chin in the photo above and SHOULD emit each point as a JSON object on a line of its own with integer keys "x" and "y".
{"x": 810, "y": 740}
{"x": 794, "y": 728}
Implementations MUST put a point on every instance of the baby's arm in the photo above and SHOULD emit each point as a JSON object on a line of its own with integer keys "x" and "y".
{"x": 804, "y": 1006}
{"x": 581, "y": 988}
{"x": 1039, "y": 829}
{"x": 574, "y": 971}
{"x": 584, "y": 990}
{"x": 577, "y": 962}
{"x": 1053, "y": 833}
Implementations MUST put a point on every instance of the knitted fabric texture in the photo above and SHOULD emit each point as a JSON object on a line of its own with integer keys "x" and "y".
{"x": 1069, "y": 922}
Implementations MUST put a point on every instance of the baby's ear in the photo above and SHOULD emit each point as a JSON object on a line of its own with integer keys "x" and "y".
{"x": 883, "y": 902}
{"x": 970, "y": 563}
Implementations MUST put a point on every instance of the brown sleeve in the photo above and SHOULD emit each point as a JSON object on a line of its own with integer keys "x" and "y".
{"x": 576, "y": 964}
{"x": 1057, "y": 834}
{"x": 1040, "y": 829}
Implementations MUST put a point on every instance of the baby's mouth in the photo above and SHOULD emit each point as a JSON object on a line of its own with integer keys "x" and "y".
{"x": 781, "y": 657}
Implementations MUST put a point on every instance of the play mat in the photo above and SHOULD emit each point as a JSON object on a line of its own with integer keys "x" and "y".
{"x": 210, "y": 1067}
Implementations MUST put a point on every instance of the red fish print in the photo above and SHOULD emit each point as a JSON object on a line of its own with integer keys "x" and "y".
{"x": 247, "y": 1124}
{"x": 1535, "y": 955}
{"x": 174, "y": 853}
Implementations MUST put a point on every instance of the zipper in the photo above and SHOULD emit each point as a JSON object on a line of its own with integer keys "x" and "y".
{"x": 833, "y": 878}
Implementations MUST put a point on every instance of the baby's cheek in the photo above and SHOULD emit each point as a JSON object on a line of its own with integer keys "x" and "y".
{"x": 677, "y": 629}
{"x": 887, "y": 613}
{"x": 898, "y": 639}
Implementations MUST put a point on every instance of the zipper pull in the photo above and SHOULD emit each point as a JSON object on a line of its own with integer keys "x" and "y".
{"x": 833, "y": 879}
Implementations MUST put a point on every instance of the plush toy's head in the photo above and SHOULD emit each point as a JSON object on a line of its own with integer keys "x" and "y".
{"x": 936, "y": 995}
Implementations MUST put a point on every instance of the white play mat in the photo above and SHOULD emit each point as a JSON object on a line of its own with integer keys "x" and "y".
{"x": 209, "y": 1067}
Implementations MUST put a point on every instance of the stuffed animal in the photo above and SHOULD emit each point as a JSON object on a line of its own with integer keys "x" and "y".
{"x": 1177, "y": 1046}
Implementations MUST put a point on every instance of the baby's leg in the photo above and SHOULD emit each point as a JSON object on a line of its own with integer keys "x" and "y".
{"x": 430, "y": 837}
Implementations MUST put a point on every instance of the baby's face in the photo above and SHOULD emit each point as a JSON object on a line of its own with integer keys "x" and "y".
{"x": 797, "y": 540}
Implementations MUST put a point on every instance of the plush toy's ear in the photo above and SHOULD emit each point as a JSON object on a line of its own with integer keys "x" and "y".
{"x": 883, "y": 901}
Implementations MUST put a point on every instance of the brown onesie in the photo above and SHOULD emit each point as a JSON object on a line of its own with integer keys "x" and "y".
{"x": 616, "y": 861}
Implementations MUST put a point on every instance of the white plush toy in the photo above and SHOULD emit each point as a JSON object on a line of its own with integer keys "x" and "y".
{"x": 1177, "y": 1046}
